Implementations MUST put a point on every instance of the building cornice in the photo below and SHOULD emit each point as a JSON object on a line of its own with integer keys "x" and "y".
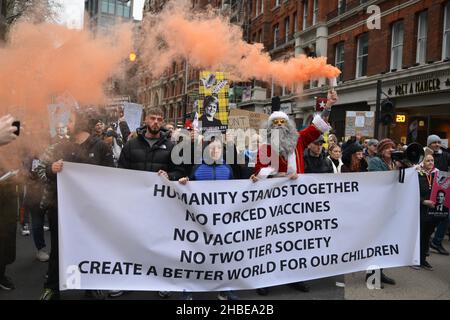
{"x": 364, "y": 21}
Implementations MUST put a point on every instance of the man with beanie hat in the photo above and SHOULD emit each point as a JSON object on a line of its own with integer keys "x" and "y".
{"x": 441, "y": 157}
{"x": 283, "y": 155}
{"x": 441, "y": 162}
{"x": 383, "y": 162}
{"x": 371, "y": 150}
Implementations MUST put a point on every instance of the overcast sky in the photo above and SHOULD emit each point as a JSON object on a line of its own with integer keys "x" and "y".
{"x": 72, "y": 12}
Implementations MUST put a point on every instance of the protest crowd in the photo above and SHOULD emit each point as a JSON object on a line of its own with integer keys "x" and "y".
{"x": 86, "y": 139}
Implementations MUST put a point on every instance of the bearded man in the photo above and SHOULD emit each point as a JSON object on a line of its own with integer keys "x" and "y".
{"x": 284, "y": 155}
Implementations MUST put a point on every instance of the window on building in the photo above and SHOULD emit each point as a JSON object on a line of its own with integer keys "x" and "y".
{"x": 342, "y": 5}
{"x": 105, "y": 6}
{"x": 286, "y": 29}
{"x": 295, "y": 22}
{"x": 339, "y": 60}
{"x": 446, "y": 40}
{"x": 421, "y": 53}
{"x": 305, "y": 14}
{"x": 119, "y": 8}
{"x": 276, "y": 31}
{"x": 277, "y": 3}
{"x": 111, "y": 6}
{"x": 174, "y": 67}
{"x": 315, "y": 11}
{"x": 127, "y": 10}
{"x": 397, "y": 46}
{"x": 362, "y": 55}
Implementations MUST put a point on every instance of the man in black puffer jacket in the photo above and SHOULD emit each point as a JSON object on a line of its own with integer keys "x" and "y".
{"x": 151, "y": 150}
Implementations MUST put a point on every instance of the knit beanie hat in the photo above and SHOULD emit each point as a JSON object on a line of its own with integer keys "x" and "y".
{"x": 349, "y": 151}
{"x": 385, "y": 143}
{"x": 433, "y": 138}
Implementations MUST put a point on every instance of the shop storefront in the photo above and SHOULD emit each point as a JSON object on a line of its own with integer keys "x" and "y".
{"x": 422, "y": 106}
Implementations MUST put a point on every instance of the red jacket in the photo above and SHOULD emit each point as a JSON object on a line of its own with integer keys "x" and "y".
{"x": 305, "y": 137}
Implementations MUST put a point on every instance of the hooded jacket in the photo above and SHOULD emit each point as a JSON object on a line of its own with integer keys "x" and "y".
{"x": 92, "y": 151}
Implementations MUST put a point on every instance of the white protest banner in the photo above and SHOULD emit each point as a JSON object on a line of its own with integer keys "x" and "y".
{"x": 132, "y": 230}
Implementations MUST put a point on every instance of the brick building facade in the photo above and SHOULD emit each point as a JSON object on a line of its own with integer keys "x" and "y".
{"x": 409, "y": 53}
{"x": 175, "y": 90}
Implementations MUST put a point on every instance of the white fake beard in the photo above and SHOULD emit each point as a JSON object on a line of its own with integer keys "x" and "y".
{"x": 285, "y": 142}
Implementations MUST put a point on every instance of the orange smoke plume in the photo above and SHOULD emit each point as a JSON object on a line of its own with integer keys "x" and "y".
{"x": 41, "y": 61}
{"x": 209, "y": 41}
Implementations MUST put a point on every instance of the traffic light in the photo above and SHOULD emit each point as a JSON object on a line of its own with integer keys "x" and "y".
{"x": 387, "y": 114}
{"x": 132, "y": 56}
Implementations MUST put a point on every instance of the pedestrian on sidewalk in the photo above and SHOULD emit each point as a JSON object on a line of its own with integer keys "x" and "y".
{"x": 8, "y": 208}
{"x": 428, "y": 223}
{"x": 81, "y": 148}
{"x": 442, "y": 163}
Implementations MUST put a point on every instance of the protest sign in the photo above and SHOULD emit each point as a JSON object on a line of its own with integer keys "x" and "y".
{"x": 243, "y": 119}
{"x": 439, "y": 195}
{"x": 360, "y": 123}
{"x": 213, "y": 101}
{"x": 133, "y": 115}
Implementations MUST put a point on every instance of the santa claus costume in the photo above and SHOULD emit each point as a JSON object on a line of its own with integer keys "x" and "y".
{"x": 293, "y": 163}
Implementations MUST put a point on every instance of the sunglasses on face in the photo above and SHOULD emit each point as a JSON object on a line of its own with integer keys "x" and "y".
{"x": 279, "y": 121}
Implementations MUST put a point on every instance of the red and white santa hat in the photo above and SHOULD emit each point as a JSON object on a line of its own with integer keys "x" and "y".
{"x": 278, "y": 115}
